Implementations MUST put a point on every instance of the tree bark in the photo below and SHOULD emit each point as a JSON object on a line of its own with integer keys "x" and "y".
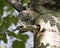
{"x": 46, "y": 14}
{"x": 16, "y": 4}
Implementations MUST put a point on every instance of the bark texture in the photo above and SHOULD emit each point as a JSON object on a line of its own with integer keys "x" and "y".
{"x": 46, "y": 15}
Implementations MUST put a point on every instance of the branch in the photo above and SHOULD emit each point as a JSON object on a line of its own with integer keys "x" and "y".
{"x": 17, "y": 5}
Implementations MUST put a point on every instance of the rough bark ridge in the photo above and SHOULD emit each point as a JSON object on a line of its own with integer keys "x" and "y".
{"x": 43, "y": 19}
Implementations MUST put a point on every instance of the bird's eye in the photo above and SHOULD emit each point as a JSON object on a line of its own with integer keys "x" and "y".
{"x": 21, "y": 26}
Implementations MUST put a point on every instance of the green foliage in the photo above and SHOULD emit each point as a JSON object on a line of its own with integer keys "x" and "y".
{"x": 24, "y": 37}
{"x": 14, "y": 19}
{"x": 20, "y": 36}
{"x": 2, "y": 4}
{"x": 18, "y": 44}
{"x": 12, "y": 34}
{"x": 6, "y": 21}
{"x": 1, "y": 23}
{"x": 3, "y": 36}
{"x": 25, "y": 2}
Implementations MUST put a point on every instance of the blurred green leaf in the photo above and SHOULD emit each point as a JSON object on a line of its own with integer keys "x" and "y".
{"x": 1, "y": 22}
{"x": 24, "y": 1}
{"x": 6, "y": 22}
{"x": 3, "y": 36}
{"x": 12, "y": 34}
{"x": 24, "y": 37}
{"x": 2, "y": 4}
{"x": 14, "y": 19}
{"x": 10, "y": 9}
{"x": 18, "y": 44}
